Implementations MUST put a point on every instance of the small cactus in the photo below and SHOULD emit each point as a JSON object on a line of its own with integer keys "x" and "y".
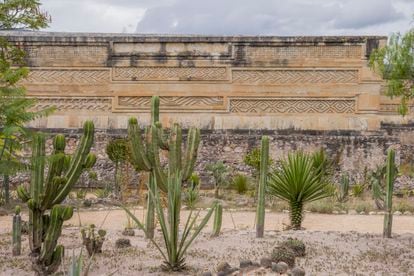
{"x": 17, "y": 232}
{"x": 218, "y": 213}
{"x": 283, "y": 254}
{"x": 93, "y": 241}
{"x": 297, "y": 246}
{"x": 260, "y": 213}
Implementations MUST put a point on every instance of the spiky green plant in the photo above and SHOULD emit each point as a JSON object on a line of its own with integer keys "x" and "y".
{"x": 176, "y": 245}
{"x": 283, "y": 254}
{"x": 145, "y": 155}
{"x": 343, "y": 190}
{"x": 46, "y": 214}
{"x": 358, "y": 190}
{"x": 17, "y": 232}
{"x": 260, "y": 213}
{"x": 298, "y": 182}
{"x": 297, "y": 246}
{"x": 240, "y": 183}
{"x": 389, "y": 188}
{"x": 218, "y": 214}
{"x": 220, "y": 173}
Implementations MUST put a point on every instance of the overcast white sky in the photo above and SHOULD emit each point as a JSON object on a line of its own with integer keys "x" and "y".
{"x": 232, "y": 17}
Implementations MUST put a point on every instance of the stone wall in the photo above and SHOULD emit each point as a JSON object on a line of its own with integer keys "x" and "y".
{"x": 215, "y": 83}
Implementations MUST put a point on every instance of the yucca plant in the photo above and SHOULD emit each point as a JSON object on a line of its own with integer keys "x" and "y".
{"x": 175, "y": 246}
{"x": 298, "y": 182}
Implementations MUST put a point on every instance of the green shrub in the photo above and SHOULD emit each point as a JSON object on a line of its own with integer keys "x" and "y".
{"x": 403, "y": 206}
{"x": 322, "y": 207}
{"x": 358, "y": 190}
{"x": 363, "y": 207}
{"x": 296, "y": 245}
{"x": 283, "y": 254}
{"x": 102, "y": 193}
{"x": 240, "y": 183}
{"x": 80, "y": 194}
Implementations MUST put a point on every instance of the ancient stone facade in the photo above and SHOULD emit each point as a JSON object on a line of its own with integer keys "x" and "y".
{"x": 305, "y": 92}
{"x": 309, "y": 83}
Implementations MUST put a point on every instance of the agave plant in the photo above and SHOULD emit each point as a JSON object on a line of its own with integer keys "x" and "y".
{"x": 298, "y": 181}
{"x": 176, "y": 246}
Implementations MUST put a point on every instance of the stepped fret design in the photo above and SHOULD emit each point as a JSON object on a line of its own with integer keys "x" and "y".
{"x": 84, "y": 103}
{"x": 292, "y": 106}
{"x": 172, "y": 102}
{"x": 169, "y": 73}
{"x": 294, "y": 76}
{"x": 95, "y": 77}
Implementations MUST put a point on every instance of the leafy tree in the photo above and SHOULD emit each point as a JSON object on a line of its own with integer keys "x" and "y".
{"x": 16, "y": 110}
{"x": 220, "y": 173}
{"x": 118, "y": 152}
{"x": 395, "y": 64}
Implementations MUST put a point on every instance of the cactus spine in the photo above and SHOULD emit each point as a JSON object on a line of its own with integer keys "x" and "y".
{"x": 17, "y": 232}
{"x": 145, "y": 155}
{"x": 46, "y": 193}
{"x": 218, "y": 214}
{"x": 389, "y": 187}
{"x": 264, "y": 161}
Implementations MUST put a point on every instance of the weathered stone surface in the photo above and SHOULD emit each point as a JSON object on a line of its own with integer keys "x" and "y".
{"x": 241, "y": 82}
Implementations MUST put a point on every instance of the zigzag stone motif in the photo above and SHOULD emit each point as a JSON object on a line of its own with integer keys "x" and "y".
{"x": 291, "y": 106}
{"x": 84, "y": 103}
{"x": 294, "y": 76}
{"x": 176, "y": 102}
{"x": 169, "y": 73}
{"x": 68, "y": 76}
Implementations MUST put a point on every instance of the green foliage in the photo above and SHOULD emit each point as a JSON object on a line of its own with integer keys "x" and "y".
{"x": 240, "y": 183}
{"x": 358, "y": 190}
{"x": 283, "y": 254}
{"x": 343, "y": 190}
{"x": 118, "y": 151}
{"x": 377, "y": 181}
{"x": 395, "y": 63}
{"x": 191, "y": 197}
{"x": 76, "y": 264}
{"x": 102, "y": 193}
{"x": 322, "y": 164}
{"x": 363, "y": 207}
{"x": 176, "y": 245}
{"x": 298, "y": 181}
{"x": 297, "y": 246}
{"x": 81, "y": 194}
{"x": 252, "y": 159}
{"x": 322, "y": 206}
{"x": 220, "y": 174}
{"x": 15, "y": 109}
{"x": 48, "y": 190}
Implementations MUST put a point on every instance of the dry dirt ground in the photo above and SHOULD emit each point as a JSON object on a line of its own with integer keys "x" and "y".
{"x": 336, "y": 245}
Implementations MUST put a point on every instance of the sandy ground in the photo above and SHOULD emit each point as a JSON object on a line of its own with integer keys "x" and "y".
{"x": 336, "y": 245}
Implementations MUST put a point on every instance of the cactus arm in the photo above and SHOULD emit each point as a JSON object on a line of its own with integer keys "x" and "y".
{"x": 56, "y": 259}
{"x": 155, "y": 109}
{"x": 174, "y": 157}
{"x": 390, "y": 176}
{"x": 58, "y": 215}
{"x": 138, "y": 154}
{"x": 17, "y": 233}
{"x": 150, "y": 218}
{"x": 155, "y": 160}
{"x": 77, "y": 161}
{"x": 162, "y": 141}
{"x": 193, "y": 142}
{"x": 217, "y": 220}
{"x": 260, "y": 213}
{"x": 23, "y": 193}
{"x": 36, "y": 189}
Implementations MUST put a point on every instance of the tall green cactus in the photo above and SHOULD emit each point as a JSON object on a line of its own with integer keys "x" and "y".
{"x": 260, "y": 213}
{"x": 17, "y": 232}
{"x": 46, "y": 193}
{"x": 389, "y": 187}
{"x": 218, "y": 214}
{"x": 145, "y": 155}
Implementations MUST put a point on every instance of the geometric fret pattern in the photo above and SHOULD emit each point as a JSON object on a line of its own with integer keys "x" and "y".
{"x": 172, "y": 102}
{"x": 103, "y": 104}
{"x": 59, "y": 76}
{"x": 280, "y": 105}
{"x": 294, "y": 76}
{"x": 169, "y": 73}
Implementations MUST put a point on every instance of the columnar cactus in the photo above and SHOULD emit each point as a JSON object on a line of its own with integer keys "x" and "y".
{"x": 264, "y": 161}
{"x": 47, "y": 194}
{"x": 145, "y": 155}
{"x": 389, "y": 187}
{"x": 218, "y": 214}
{"x": 17, "y": 232}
